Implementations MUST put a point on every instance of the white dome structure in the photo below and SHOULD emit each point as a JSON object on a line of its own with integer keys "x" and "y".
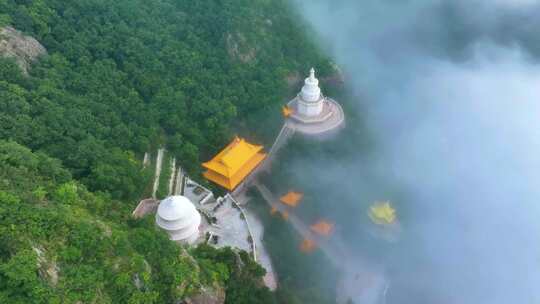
{"x": 179, "y": 217}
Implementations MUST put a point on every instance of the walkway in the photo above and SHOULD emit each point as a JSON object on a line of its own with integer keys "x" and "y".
{"x": 331, "y": 248}
{"x": 159, "y": 162}
{"x": 146, "y": 206}
{"x": 262, "y": 255}
{"x": 179, "y": 180}
{"x": 172, "y": 177}
{"x": 284, "y": 135}
{"x": 360, "y": 280}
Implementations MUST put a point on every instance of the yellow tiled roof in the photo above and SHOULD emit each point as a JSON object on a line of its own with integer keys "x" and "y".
{"x": 292, "y": 198}
{"x": 382, "y": 213}
{"x": 287, "y": 111}
{"x": 231, "y": 159}
{"x": 230, "y": 166}
{"x": 322, "y": 228}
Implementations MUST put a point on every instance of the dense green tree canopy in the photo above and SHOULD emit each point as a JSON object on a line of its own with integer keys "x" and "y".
{"x": 60, "y": 243}
{"x": 123, "y": 77}
{"x": 130, "y": 75}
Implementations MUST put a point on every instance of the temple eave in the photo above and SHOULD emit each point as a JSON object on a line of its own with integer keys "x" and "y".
{"x": 231, "y": 159}
{"x": 231, "y": 182}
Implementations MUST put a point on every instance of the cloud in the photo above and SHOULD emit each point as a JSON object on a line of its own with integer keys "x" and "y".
{"x": 516, "y": 3}
{"x": 468, "y": 151}
{"x": 451, "y": 93}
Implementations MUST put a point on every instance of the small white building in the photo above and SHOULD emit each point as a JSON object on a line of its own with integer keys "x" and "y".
{"x": 310, "y": 100}
{"x": 178, "y": 216}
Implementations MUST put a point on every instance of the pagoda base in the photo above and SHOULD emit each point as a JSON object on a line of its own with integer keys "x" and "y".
{"x": 331, "y": 118}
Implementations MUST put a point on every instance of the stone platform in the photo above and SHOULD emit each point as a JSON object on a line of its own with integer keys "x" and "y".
{"x": 330, "y": 119}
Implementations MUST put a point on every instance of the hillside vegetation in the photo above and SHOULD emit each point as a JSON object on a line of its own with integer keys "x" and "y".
{"x": 60, "y": 243}
{"x": 125, "y": 76}
{"x": 122, "y": 77}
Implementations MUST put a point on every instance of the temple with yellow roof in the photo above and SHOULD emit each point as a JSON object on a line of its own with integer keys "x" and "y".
{"x": 234, "y": 163}
{"x": 382, "y": 213}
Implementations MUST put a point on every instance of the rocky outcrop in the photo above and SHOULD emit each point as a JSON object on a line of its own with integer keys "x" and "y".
{"x": 48, "y": 270}
{"x": 140, "y": 282}
{"x": 293, "y": 79}
{"x": 238, "y": 48}
{"x": 24, "y": 49}
{"x": 208, "y": 295}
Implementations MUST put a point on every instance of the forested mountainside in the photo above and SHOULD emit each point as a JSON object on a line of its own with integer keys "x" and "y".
{"x": 119, "y": 78}
{"x": 124, "y": 76}
{"x": 60, "y": 243}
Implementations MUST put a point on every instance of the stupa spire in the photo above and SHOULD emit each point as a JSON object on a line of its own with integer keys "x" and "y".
{"x": 312, "y": 74}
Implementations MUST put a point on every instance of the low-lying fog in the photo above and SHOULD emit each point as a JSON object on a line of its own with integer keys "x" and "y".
{"x": 450, "y": 91}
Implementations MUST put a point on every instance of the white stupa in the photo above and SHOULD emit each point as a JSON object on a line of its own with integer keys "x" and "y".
{"x": 312, "y": 113}
{"x": 310, "y": 100}
{"x": 179, "y": 217}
